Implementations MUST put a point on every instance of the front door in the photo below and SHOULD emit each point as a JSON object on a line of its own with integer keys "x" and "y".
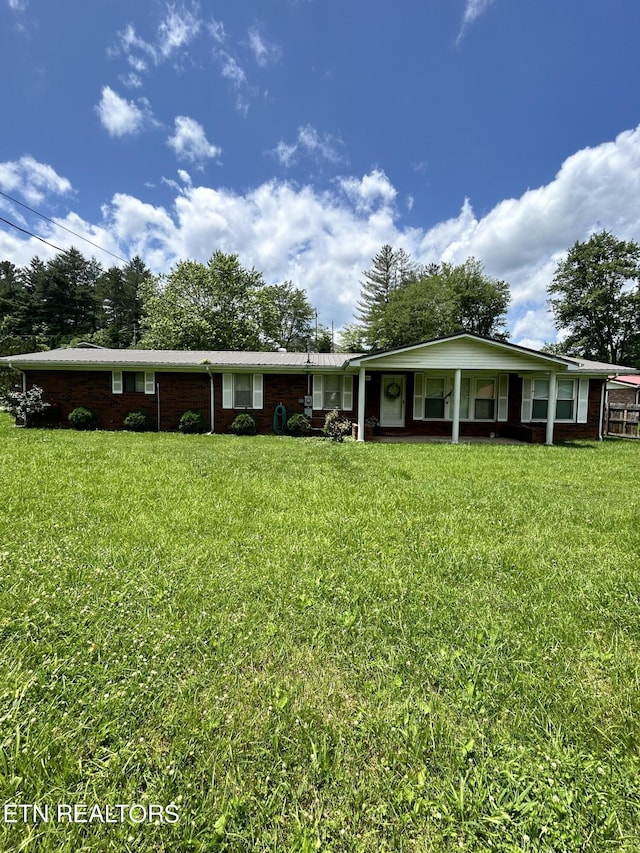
{"x": 392, "y": 400}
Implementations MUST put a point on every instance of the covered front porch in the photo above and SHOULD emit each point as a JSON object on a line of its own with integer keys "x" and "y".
{"x": 465, "y": 388}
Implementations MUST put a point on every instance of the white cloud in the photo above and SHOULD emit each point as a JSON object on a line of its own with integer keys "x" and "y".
{"x": 31, "y": 179}
{"x": 120, "y": 117}
{"x": 322, "y": 240}
{"x": 177, "y": 30}
{"x": 178, "y": 27}
{"x": 18, "y": 5}
{"x": 473, "y": 9}
{"x": 217, "y": 31}
{"x": 310, "y": 143}
{"x": 190, "y": 142}
{"x": 264, "y": 52}
{"x": 370, "y": 191}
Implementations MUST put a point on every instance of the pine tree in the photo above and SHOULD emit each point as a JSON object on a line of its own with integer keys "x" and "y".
{"x": 391, "y": 268}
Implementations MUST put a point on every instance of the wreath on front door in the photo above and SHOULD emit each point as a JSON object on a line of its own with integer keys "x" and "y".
{"x": 392, "y": 391}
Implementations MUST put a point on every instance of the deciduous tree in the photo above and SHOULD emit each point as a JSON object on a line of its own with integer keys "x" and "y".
{"x": 596, "y": 301}
{"x": 204, "y": 306}
{"x": 285, "y": 317}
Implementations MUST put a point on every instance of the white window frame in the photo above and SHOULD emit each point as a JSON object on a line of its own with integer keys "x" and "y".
{"x": 229, "y": 400}
{"x": 117, "y": 382}
{"x": 319, "y": 392}
{"x": 446, "y": 395}
{"x": 473, "y": 397}
{"x": 579, "y": 399}
{"x": 467, "y": 400}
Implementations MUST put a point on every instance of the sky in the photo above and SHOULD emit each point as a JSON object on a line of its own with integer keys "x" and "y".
{"x": 303, "y": 135}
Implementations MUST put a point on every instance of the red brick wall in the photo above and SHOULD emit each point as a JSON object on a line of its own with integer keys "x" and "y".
{"x": 628, "y": 396}
{"x": 512, "y": 428}
{"x": 67, "y": 389}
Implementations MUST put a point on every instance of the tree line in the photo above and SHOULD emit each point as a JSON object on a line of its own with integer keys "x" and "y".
{"x": 220, "y": 305}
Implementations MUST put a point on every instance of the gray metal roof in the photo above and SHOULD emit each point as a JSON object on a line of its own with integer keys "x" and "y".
{"x": 103, "y": 357}
{"x": 597, "y": 366}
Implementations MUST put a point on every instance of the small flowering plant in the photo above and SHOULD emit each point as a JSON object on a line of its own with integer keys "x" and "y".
{"x": 23, "y": 405}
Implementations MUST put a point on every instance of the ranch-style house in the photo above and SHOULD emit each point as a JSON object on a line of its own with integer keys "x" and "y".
{"x": 454, "y": 387}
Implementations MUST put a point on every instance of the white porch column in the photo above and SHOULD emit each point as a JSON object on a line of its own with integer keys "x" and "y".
{"x": 361, "y": 402}
{"x": 551, "y": 407}
{"x": 455, "y": 426}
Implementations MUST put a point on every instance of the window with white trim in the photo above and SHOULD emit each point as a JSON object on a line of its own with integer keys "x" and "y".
{"x": 565, "y": 399}
{"x": 484, "y": 401}
{"x": 434, "y": 398}
{"x": 242, "y": 391}
{"x": 332, "y": 391}
{"x": 482, "y": 398}
{"x": 133, "y": 382}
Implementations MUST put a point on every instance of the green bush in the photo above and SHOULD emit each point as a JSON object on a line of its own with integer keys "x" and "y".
{"x": 243, "y": 424}
{"x": 137, "y": 421}
{"x": 298, "y": 425}
{"x": 336, "y": 426}
{"x": 192, "y": 421}
{"x": 81, "y": 418}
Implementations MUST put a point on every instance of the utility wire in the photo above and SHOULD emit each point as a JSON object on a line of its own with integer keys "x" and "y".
{"x": 24, "y": 231}
{"x": 59, "y": 225}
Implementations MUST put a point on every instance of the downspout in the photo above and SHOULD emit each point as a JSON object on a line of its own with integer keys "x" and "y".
{"x": 211, "y": 399}
{"x": 603, "y": 391}
{"x": 22, "y": 374}
{"x": 158, "y": 399}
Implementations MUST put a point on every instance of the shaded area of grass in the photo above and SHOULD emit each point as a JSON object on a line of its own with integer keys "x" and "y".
{"x": 311, "y": 646}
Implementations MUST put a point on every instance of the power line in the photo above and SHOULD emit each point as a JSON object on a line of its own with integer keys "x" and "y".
{"x": 24, "y": 231}
{"x": 59, "y": 225}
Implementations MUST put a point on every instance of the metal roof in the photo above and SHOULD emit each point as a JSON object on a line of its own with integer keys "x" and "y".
{"x": 102, "y": 357}
{"x": 192, "y": 359}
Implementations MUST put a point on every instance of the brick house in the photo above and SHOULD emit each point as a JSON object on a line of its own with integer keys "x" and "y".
{"x": 458, "y": 386}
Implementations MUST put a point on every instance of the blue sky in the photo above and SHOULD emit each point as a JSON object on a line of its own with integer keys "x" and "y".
{"x": 304, "y": 134}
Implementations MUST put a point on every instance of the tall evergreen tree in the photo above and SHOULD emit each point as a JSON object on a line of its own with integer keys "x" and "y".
{"x": 391, "y": 268}
{"x": 64, "y": 297}
{"x": 119, "y": 297}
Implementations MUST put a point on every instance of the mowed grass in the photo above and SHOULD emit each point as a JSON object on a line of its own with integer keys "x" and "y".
{"x": 311, "y": 646}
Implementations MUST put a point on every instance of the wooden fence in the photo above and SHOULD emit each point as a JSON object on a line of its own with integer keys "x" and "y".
{"x": 623, "y": 419}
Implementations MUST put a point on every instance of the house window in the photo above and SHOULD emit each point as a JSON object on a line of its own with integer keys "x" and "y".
{"x": 565, "y": 400}
{"x": 434, "y": 398}
{"x": 332, "y": 391}
{"x": 485, "y": 400}
{"x": 242, "y": 391}
{"x": 133, "y": 381}
{"x": 482, "y": 398}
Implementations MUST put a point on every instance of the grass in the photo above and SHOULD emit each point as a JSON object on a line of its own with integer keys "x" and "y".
{"x": 311, "y": 646}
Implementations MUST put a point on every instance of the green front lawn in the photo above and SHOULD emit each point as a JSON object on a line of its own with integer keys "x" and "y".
{"x": 313, "y": 646}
